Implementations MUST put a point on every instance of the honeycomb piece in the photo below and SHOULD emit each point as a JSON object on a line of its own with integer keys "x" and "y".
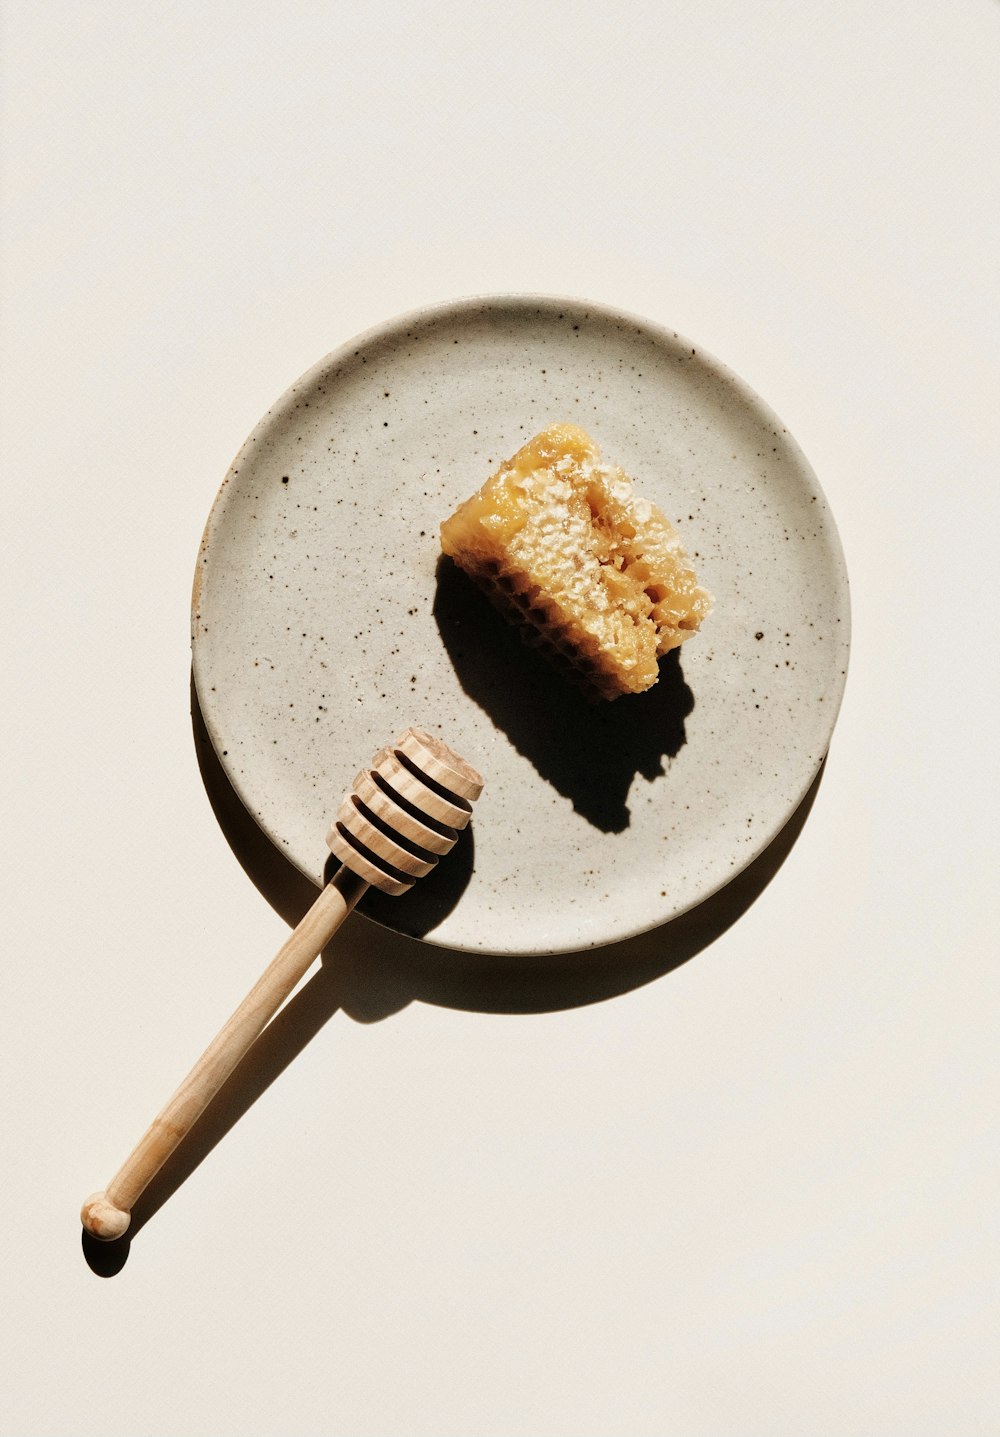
{"x": 596, "y": 577}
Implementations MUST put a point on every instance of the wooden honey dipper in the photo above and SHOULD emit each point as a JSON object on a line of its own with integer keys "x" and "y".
{"x": 403, "y": 812}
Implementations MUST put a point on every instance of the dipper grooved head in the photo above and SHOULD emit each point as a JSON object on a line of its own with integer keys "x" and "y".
{"x": 404, "y": 811}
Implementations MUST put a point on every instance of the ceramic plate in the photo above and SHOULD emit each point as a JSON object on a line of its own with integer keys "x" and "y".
{"x": 324, "y": 621}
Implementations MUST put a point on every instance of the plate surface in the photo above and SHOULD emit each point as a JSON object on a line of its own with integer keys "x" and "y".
{"x": 324, "y": 622}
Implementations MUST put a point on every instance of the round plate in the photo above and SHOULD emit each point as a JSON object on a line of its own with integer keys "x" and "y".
{"x": 324, "y": 621}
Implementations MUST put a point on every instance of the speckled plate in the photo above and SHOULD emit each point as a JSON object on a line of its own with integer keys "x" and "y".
{"x": 324, "y": 622}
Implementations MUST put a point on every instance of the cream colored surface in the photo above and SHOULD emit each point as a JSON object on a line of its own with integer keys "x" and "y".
{"x": 754, "y": 1196}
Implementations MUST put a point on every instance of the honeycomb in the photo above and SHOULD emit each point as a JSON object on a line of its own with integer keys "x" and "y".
{"x": 596, "y": 577}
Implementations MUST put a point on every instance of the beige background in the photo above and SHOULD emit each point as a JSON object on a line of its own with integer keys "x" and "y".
{"x": 754, "y": 1195}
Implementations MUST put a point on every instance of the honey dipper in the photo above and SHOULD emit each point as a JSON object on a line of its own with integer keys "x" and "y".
{"x": 403, "y": 812}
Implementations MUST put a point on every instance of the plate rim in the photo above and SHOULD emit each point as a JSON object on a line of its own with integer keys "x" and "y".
{"x": 665, "y": 335}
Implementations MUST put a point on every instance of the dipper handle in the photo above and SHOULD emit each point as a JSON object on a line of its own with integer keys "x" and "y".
{"x": 107, "y": 1214}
